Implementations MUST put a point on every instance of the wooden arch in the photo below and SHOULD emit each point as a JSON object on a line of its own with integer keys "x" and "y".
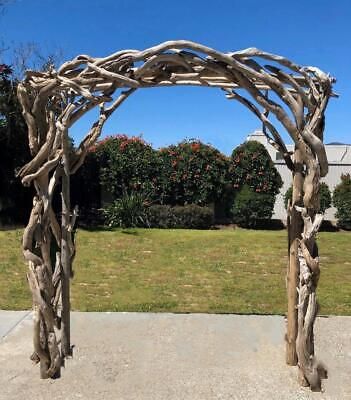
{"x": 53, "y": 101}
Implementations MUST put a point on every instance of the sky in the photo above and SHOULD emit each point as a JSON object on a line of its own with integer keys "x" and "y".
{"x": 313, "y": 32}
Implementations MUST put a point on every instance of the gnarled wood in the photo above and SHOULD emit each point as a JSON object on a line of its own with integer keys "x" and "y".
{"x": 53, "y": 101}
{"x": 311, "y": 370}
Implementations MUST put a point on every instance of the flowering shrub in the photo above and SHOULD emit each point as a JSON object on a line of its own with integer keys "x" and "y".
{"x": 252, "y": 165}
{"x": 127, "y": 164}
{"x": 191, "y": 173}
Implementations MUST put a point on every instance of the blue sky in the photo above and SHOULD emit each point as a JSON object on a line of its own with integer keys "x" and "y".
{"x": 314, "y": 32}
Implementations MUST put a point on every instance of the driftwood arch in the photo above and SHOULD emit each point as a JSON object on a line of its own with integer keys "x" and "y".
{"x": 53, "y": 101}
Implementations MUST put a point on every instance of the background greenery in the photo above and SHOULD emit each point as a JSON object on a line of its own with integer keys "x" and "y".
{"x": 239, "y": 189}
{"x": 342, "y": 201}
{"x": 324, "y": 196}
{"x": 15, "y": 200}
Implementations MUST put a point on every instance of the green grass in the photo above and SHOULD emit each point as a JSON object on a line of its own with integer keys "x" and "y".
{"x": 236, "y": 271}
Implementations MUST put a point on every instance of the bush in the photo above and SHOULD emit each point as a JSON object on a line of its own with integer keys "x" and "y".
{"x": 324, "y": 193}
{"x": 191, "y": 173}
{"x": 127, "y": 165}
{"x": 252, "y": 165}
{"x": 255, "y": 182}
{"x": 190, "y": 216}
{"x": 161, "y": 216}
{"x": 251, "y": 209}
{"x": 193, "y": 216}
{"x": 129, "y": 211}
{"x": 342, "y": 201}
{"x": 85, "y": 187}
{"x": 15, "y": 200}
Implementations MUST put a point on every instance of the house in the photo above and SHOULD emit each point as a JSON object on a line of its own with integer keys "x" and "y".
{"x": 339, "y": 159}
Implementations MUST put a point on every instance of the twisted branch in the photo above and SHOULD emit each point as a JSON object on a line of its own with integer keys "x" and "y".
{"x": 53, "y": 101}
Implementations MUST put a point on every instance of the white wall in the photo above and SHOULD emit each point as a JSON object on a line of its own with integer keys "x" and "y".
{"x": 339, "y": 157}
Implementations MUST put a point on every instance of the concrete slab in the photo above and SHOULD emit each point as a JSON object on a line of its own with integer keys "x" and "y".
{"x": 130, "y": 356}
{"x": 10, "y": 319}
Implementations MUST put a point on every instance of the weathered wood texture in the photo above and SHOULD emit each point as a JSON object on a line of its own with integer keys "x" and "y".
{"x": 53, "y": 101}
{"x": 294, "y": 234}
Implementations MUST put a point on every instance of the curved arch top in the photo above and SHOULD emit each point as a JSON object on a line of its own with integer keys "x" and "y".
{"x": 85, "y": 82}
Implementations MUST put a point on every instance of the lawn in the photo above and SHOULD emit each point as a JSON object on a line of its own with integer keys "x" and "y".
{"x": 217, "y": 271}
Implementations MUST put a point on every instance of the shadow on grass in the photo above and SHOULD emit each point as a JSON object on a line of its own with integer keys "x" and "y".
{"x": 277, "y": 225}
{"x": 268, "y": 225}
{"x": 95, "y": 228}
{"x": 327, "y": 226}
{"x": 130, "y": 232}
{"x": 11, "y": 227}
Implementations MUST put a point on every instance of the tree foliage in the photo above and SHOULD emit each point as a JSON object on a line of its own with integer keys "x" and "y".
{"x": 14, "y": 152}
{"x": 252, "y": 165}
{"x": 15, "y": 200}
{"x": 127, "y": 164}
{"x": 192, "y": 173}
{"x": 252, "y": 209}
{"x": 324, "y": 195}
{"x": 255, "y": 182}
{"x": 342, "y": 201}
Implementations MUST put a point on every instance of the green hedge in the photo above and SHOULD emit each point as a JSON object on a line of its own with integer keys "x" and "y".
{"x": 134, "y": 210}
{"x": 252, "y": 209}
{"x": 255, "y": 182}
{"x": 342, "y": 201}
{"x": 324, "y": 193}
{"x": 161, "y": 216}
{"x": 190, "y": 216}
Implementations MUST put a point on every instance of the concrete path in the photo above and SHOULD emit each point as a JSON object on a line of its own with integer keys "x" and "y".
{"x": 10, "y": 319}
{"x": 130, "y": 356}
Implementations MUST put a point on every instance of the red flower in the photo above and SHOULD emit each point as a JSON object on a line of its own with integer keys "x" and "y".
{"x": 195, "y": 146}
{"x": 123, "y": 145}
